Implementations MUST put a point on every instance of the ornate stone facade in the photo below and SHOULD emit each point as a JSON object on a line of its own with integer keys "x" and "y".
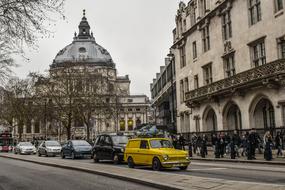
{"x": 229, "y": 58}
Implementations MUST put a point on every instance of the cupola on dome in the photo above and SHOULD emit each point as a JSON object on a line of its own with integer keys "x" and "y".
{"x": 83, "y": 49}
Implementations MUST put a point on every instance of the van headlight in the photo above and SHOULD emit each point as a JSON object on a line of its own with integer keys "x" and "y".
{"x": 165, "y": 157}
{"x": 122, "y": 150}
{"x": 187, "y": 158}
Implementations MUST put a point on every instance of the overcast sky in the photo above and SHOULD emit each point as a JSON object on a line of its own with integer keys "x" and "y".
{"x": 137, "y": 34}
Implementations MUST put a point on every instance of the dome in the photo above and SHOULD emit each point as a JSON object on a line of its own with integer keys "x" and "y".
{"x": 83, "y": 49}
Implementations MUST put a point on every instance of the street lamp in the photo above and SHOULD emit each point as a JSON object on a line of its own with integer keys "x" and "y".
{"x": 172, "y": 59}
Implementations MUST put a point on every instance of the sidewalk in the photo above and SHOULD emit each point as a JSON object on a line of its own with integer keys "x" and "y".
{"x": 259, "y": 159}
{"x": 160, "y": 180}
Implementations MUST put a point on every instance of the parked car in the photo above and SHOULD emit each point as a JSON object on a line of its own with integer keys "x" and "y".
{"x": 158, "y": 153}
{"x": 76, "y": 148}
{"x": 109, "y": 147}
{"x": 25, "y": 148}
{"x": 49, "y": 148}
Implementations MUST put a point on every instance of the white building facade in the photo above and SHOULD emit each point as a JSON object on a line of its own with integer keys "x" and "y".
{"x": 230, "y": 67}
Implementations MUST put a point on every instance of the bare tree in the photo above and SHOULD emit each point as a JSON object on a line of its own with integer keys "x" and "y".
{"x": 17, "y": 107}
{"x": 22, "y": 23}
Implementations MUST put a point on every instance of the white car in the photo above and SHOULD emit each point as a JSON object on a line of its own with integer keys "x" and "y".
{"x": 25, "y": 148}
{"x": 49, "y": 148}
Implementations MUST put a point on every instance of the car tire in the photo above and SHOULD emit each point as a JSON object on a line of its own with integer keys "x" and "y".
{"x": 73, "y": 156}
{"x": 46, "y": 154}
{"x": 39, "y": 154}
{"x": 15, "y": 152}
{"x": 156, "y": 165}
{"x": 131, "y": 163}
{"x": 183, "y": 167}
{"x": 95, "y": 158}
{"x": 62, "y": 155}
{"x": 116, "y": 159}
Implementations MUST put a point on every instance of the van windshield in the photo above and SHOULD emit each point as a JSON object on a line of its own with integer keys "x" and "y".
{"x": 160, "y": 144}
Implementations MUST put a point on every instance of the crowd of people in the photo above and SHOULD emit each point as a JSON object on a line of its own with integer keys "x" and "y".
{"x": 234, "y": 145}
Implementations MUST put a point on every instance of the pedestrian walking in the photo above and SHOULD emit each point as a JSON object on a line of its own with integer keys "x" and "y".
{"x": 194, "y": 143}
{"x": 182, "y": 142}
{"x": 279, "y": 144}
{"x": 204, "y": 146}
{"x": 268, "y": 146}
{"x": 214, "y": 141}
{"x": 251, "y": 145}
{"x": 244, "y": 144}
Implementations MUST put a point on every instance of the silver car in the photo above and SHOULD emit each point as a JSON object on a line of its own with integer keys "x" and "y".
{"x": 25, "y": 148}
{"x": 49, "y": 148}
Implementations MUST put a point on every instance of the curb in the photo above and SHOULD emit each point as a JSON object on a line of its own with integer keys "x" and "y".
{"x": 240, "y": 161}
{"x": 102, "y": 173}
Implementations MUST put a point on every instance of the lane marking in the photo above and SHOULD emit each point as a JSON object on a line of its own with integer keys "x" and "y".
{"x": 206, "y": 169}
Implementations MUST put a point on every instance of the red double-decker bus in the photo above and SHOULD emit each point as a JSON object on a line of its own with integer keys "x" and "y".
{"x": 6, "y": 141}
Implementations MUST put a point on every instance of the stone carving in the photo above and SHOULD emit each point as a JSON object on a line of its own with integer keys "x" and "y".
{"x": 227, "y": 47}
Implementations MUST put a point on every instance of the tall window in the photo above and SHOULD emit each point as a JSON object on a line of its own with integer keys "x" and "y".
{"x": 194, "y": 48}
{"x": 278, "y": 5}
{"x": 208, "y": 78}
{"x": 186, "y": 84}
{"x": 281, "y": 46}
{"x": 254, "y": 11}
{"x": 182, "y": 57}
{"x": 203, "y": 7}
{"x": 226, "y": 25}
{"x": 258, "y": 53}
{"x": 229, "y": 65}
{"x": 196, "y": 82}
{"x": 206, "y": 38}
{"x": 181, "y": 91}
{"x": 193, "y": 14}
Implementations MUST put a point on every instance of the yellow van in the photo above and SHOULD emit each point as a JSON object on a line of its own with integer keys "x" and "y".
{"x": 156, "y": 152}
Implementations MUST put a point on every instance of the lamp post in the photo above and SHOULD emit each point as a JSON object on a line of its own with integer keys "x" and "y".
{"x": 173, "y": 115}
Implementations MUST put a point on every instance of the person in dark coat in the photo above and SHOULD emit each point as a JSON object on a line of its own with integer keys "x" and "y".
{"x": 194, "y": 143}
{"x": 268, "y": 146}
{"x": 181, "y": 142}
{"x": 251, "y": 145}
{"x": 279, "y": 143}
{"x": 236, "y": 142}
{"x": 204, "y": 146}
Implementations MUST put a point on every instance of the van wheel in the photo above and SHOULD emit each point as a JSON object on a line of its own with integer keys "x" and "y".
{"x": 62, "y": 155}
{"x": 96, "y": 160}
{"x": 183, "y": 167}
{"x": 72, "y": 156}
{"x": 156, "y": 165}
{"x": 131, "y": 163}
{"x": 116, "y": 159}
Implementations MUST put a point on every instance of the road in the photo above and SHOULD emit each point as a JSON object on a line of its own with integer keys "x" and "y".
{"x": 18, "y": 175}
{"x": 259, "y": 173}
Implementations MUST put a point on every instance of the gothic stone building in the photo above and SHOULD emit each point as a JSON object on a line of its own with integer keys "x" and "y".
{"x": 85, "y": 61}
{"x": 230, "y": 66}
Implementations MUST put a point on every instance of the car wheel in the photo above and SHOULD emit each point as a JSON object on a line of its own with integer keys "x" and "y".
{"x": 131, "y": 163}
{"x": 116, "y": 159}
{"x": 46, "y": 154}
{"x": 156, "y": 165}
{"x": 183, "y": 167}
{"x": 62, "y": 155}
{"x": 39, "y": 154}
{"x": 72, "y": 156}
{"x": 15, "y": 152}
{"x": 95, "y": 158}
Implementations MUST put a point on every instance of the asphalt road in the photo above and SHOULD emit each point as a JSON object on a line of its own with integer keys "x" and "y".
{"x": 18, "y": 175}
{"x": 259, "y": 173}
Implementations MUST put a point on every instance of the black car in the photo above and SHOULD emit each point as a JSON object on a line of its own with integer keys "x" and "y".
{"x": 76, "y": 148}
{"x": 109, "y": 147}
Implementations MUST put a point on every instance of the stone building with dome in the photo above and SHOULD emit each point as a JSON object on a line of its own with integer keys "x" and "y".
{"x": 83, "y": 80}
